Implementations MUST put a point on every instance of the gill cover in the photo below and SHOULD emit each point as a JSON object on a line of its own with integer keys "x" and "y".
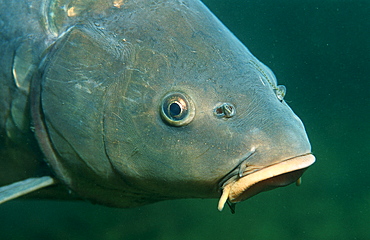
{"x": 75, "y": 77}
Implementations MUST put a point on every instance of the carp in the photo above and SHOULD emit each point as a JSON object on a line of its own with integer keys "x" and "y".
{"x": 130, "y": 102}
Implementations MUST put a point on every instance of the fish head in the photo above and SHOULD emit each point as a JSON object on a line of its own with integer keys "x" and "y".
{"x": 164, "y": 104}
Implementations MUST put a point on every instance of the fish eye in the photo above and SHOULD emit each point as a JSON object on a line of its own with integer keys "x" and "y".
{"x": 177, "y": 109}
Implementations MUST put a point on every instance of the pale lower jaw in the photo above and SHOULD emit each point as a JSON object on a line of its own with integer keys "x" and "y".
{"x": 276, "y": 175}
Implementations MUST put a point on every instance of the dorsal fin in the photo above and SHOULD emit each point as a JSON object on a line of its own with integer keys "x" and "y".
{"x": 21, "y": 188}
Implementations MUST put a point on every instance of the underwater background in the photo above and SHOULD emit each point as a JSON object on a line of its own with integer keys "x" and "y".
{"x": 320, "y": 50}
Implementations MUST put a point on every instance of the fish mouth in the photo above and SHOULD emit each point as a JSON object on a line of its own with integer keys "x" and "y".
{"x": 270, "y": 177}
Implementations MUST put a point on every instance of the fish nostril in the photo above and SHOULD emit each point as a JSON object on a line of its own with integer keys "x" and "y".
{"x": 225, "y": 110}
{"x": 280, "y": 92}
{"x": 218, "y": 111}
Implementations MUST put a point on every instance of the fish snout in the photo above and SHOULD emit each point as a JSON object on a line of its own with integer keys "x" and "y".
{"x": 246, "y": 185}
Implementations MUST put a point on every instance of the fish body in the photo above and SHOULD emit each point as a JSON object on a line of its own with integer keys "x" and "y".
{"x": 125, "y": 103}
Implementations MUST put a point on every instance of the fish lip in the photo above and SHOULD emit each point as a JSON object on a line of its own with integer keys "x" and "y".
{"x": 239, "y": 189}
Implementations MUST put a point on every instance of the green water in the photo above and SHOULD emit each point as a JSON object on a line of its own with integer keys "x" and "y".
{"x": 320, "y": 50}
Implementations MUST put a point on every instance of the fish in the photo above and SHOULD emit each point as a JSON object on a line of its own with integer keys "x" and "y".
{"x": 129, "y": 102}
